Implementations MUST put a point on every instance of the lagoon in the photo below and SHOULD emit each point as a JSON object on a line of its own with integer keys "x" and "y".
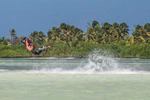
{"x": 93, "y": 78}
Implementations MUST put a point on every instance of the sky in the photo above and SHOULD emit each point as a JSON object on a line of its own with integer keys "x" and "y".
{"x": 27, "y": 16}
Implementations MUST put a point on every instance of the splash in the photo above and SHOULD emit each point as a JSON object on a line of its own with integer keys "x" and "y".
{"x": 100, "y": 61}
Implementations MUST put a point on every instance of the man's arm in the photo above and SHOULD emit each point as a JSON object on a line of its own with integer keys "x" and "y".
{"x": 27, "y": 44}
{"x": 29, "y": 47}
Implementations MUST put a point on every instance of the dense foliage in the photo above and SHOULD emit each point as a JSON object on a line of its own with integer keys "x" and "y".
{"x": 67, "y": 40}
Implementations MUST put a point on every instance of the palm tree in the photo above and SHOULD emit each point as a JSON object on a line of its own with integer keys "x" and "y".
{"x": 95, "y": 24}
{"x": 90, "y": 35}
{"x": 41, "y": 37}
{"x": 113, "y": 33}
{"x": 37, "y": 37}
{"x": 105, "y": 31}
{"x": 130, "y": 39}
{"x": 140, "y": 34}
{"x": 123, "y": 30}
{"x": 4, "y": 41}
{"x": 76, "y": 35}
{"x": 56, "y": 34}
{"x": 70, "y": 34}
{"x": 93, "y": 31}
{"x": 34, "y": 37}
{"x": 50, "y": 35}
{"x": 147, "y": 27}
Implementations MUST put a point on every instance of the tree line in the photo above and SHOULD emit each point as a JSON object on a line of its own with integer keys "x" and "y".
{"x": 68, "y": 40}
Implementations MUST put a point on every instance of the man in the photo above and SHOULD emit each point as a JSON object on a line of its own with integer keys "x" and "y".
{"x": 31, "y": 47}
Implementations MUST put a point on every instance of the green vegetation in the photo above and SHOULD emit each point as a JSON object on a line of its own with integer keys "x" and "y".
{"x": 70, "y": 41}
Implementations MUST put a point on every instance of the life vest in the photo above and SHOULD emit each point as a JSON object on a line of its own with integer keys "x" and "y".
{"x": 29, "y": 43}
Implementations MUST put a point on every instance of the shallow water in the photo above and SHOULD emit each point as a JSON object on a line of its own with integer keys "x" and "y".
{"x": 103, "y": 78}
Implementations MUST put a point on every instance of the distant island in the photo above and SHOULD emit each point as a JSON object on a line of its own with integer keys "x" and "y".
{"x": 70, "y": 41}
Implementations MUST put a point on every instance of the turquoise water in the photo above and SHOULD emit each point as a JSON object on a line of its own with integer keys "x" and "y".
{"x": 93, "y": 78}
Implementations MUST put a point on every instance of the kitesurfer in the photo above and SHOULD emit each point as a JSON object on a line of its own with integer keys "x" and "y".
{"x": 31, "y": 47}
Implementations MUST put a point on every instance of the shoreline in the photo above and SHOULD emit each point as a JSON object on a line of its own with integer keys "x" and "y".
{"x": 46, "y": 57}
{"x": 66, "y": 57}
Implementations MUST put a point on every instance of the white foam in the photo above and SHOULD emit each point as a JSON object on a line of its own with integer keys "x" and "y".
{"x": 99, "y": 62}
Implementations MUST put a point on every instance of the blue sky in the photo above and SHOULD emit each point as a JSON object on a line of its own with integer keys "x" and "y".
{"x": 26, "y": 16}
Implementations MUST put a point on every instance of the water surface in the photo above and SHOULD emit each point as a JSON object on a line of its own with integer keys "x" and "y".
{"x": 95, "y": 78}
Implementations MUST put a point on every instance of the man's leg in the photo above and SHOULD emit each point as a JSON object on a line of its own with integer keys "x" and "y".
{"x": 42, "y": 48}
{"x": 36, "y": 51}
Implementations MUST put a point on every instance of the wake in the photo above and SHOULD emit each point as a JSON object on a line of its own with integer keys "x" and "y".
{"x": 98, "y": 62}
